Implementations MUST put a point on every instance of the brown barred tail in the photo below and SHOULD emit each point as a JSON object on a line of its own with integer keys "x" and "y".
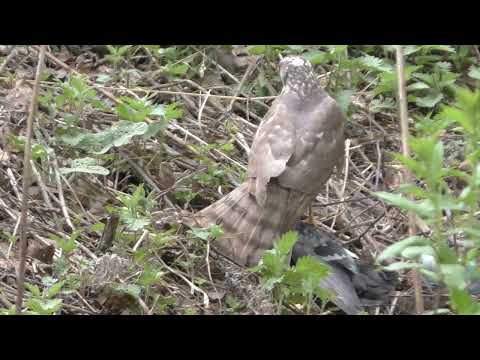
{"x": 250, "y": 229}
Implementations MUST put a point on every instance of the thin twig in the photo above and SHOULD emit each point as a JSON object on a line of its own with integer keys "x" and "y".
{"x": 61, "y": 198}
{"x": 26, "y": 183}
{"x": 13, "y": 182}
{"x": 403, "y": 110}
{"x": 240, "y": 85}
{"x": 193, "y": 287}
{"x": 200, "y": 111}
{"x": 139, "y": 242}
{"x": 43, "y": 188}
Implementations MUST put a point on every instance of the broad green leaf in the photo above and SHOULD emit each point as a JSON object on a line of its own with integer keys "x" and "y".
{"x": 459, "y": 116}
{"x": 173, "y": 111}
{"x": 103, "y": 78}
{"x": 422, "y": 208}
{"x": 85, "y": 165}
{"x": 417, "y": 86}
{"x": 454, "y": 275}
{"x": 309, "y": 266}
{"x": 119, "y": 134}
{"x": 429, "y": 101}
{"x": 410, "y": 49}
{"x": 462, "y": 302}
{"x": 430, "y": 274}
{"x": 474, "y": 72}
{"x": 446, "y": 255}
{"x": 257, "y": 49}
{"x": 316, "y": 57}
{"x": 154, "y": 129}
{"x": 130, "y": 289}
{"x": 412, "y": 189}
{"x": 136, "y": 223}
{"x": 395, "y": 249}
{"x": 55, "y": 289}
{"x": 34, "y": 289}
{"x": 375, "y": 63}
{"x": 177, "y": 69}
{"x": 414, "y": 252}
{"x": 44, "y": 306}
{"x": 286, "y": 242}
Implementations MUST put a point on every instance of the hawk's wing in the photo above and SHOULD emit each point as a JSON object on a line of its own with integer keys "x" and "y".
{"x": 319, "y": 146}
{"x": 298, "y": 142}
{"x": 272, "y": 147}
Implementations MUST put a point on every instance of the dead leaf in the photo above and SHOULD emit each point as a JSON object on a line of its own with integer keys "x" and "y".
{"x": 165, "y": 178}
{"x": 214, "y": 295}
{"x": 61, "y": 74}
{"x": 392, "y": 177}
{"x": 19, "y": 96}
{"x": 4, "y": 157}
{"x": 116, "y": 302}
{"x": 41, "y": 252}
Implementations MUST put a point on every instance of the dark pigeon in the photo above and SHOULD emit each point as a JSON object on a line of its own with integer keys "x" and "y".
{"x": 355, "y": 284}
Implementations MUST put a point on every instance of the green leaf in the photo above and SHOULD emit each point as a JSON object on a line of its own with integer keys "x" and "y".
{"x": 310, "y": 268}
{"x": 286, "y": 242}
{"x": 414, "y": 252}
{"x": 454, "y": 275}
{"x": 344, "y": 99}
{"x": 44, "y": 306}
{"x": 177, "y": 69}
{"x": 316, "y": 57}
{"x": 462, "y": 302}
{"x": 429, "y": 101}
{"x": 459, "y": 116}
{"x": 412, "y": 189}
{"x": 422, "y": 208}
{"x": 118, "y": 135}
{"x": 257, "y": 49}
{"x": 417, "y": 86}
{"x": 130, "y": 289}
{"x": 446, "y": 255}
{"x": 85, "y": 165}
{"x": 55, "y": 289}
{"x": 135, "y": 223}
{"x": 446, "y": 48}
{"x": 172, "y": 111}
{"x": 396, "y": 249}
{"x": 410, "y": 49}
{"x": 375, "y": 63}
{"x": 474, "y": 72}
{"x": 34, "y": 289}
{"x": 103, "y": 78}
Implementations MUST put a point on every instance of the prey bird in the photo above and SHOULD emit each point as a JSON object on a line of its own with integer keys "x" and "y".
{"x": 355, "y": 284}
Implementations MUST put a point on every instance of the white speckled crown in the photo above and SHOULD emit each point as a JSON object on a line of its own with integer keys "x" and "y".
{"x": 295, "y": 61}
{"x": 297, "y": 75}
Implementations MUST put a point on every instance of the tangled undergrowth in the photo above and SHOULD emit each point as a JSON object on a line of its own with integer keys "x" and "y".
{"x": 130, "y": 141}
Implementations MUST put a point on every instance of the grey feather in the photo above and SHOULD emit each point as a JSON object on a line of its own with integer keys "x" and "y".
{"x": 355, "y": 284}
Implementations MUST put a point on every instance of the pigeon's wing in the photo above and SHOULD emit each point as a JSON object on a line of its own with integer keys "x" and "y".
{"x": 272, "y": 147}
{"x": 322, "y": 245}
{"x": 339, "y": 283}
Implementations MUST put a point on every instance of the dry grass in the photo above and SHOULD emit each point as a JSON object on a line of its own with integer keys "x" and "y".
{"x": 216, "y": 110}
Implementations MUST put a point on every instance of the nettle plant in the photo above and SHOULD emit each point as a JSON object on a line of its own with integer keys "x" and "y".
{"x": 296, "y": 285}
{"x": 453, "y": 266}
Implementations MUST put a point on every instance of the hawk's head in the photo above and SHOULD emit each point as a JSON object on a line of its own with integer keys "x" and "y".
{"x": 297, "y": 74}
